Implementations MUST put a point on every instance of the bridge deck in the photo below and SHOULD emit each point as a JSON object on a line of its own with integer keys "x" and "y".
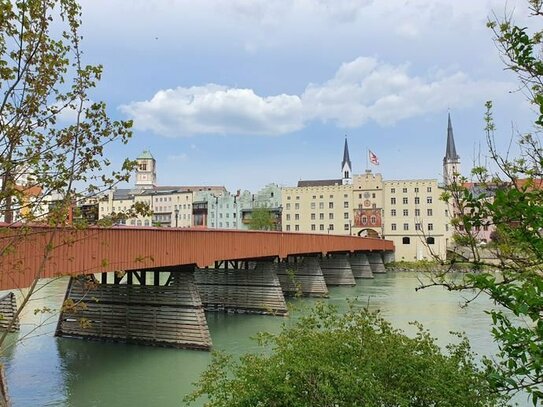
{"x": 97, "y": 250}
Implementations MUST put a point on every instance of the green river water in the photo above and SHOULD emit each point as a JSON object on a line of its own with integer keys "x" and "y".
{"x": 46, "y": 371}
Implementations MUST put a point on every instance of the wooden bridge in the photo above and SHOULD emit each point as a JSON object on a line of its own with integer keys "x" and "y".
{"x": 152, "y": 285}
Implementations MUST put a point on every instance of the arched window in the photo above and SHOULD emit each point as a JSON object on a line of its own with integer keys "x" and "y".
{"x": 364, "y": 220}
{"x": 139, "y": 222}
{"x": 146, "y": 222}
{"x": 430, "y": 240}
{"x": 373, "y": 220}
{"x": 406, "y": 240}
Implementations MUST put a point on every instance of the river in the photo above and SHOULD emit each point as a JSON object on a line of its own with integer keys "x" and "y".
{"x": 43, "y": 370}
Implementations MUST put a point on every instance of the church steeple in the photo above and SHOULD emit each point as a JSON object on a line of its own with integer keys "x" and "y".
{"x": 346, "y": 168}
{"x": 451, "y": 161}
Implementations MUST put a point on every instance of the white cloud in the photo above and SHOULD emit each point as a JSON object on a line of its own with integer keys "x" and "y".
{"x": 362, "y": 90}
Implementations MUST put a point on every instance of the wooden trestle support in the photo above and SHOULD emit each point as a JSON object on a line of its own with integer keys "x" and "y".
{"x": 165, "y": 315}
{"x": 242, "y": 290}
{"x": 302, "y": 276}
{"x": 360, "y": 265}
{"x": 337, "y": 270}
{"x": 376, "y": 263}
{"x": 8, "y": 309}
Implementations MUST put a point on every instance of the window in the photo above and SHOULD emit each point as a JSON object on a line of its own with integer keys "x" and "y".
{"x": 321, "y": 205}
{"x": 393, "y": 201}
{"x": 373, "y": 220}
{"x": 297, "y": 216}
{"x": 429, "y": 189}
{"x": 430, "y": 226}
{"x": 298, "y": 198}
{"x": 312, "y": 216}
{"x": 393, "y": 226}
{"x": 364, "y": 220}
{"x": 446, "y": 227}
{"x": 417, "y": 212}
{"x": 406, "y": 240}
{"x": 314, "y": 196}
{"x": 417, "y": 226}
{"x": 321, "y": 227}
{"x": 296, "y": 205}
{"x": 296, "y": 227}
{"x": 330, "y": 227}
{"x": 405, "y": 200}
{"x": 143, "y": 166}
{"x": 429, "y": 212}
{"x": 430, "y": 240}
{"x": 146, "y": 222}
{"x": 288, "y": 228}
{"x": 417, "y": 200}
{"x": 346, "y": 204}
{"x": 485, "y": 227}
{"x": 429, "y": 199}
{"x": 320, "y": 196}
{"x": 313, "y": 227}
{"x": 392, "y": 190}
{"x": 406, "y": 212}
{"x": 404, "y": 190}
{"x": 406, "y": 226}
{"x": 330, "y": 205}
{"x": 330, "y": 216}
{"x": 288, "y": 206}
{"x": 393, "y": 212}
{"x": 346, "y": 226}
{"x": 359, "y": 196}
{"x": 373, "y": 195}
{"x": 345, "y": 196}
{"x": 288, "y": 198}
{"x": 321, "y": 216}
{"x": 313, "y": 205}
{"x": 416, "y": 190}
{"x": 331, "y": 196}
{"x": 345, "y": 215}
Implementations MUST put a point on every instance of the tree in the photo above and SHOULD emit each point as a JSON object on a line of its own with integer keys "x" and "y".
{"x": 52, "y": 136}
{"x": 261, "y": 219}
{"x": 350, "y": 359}
{"x": 510, "y": 202}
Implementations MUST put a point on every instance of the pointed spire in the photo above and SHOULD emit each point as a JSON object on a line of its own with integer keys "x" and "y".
{"x": 346, "y": 158}
{"x": 450, "y": 153}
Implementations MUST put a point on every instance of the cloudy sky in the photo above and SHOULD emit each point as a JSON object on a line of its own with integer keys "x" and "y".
{"x": 246, "y": 92}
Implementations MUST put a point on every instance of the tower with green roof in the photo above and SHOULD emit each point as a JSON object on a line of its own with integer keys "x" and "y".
{"x": 146, "y": 171}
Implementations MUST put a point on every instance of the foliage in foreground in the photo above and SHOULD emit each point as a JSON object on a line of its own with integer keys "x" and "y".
{"x": 261, "y": 219}
{"x": 351, "y": 359}
{"x": 509, "y": 200}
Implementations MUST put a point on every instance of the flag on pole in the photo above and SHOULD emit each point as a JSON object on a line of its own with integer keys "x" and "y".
{"x": 373, "y": 158}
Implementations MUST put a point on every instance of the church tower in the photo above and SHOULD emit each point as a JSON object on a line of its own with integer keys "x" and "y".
{"x": 146, "y": 171}
{"x": 346, "y": 169}
{"x": 451, "y": 161}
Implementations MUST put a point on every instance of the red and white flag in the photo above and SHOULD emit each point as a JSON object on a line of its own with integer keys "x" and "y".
{"x": 373, "y": 158}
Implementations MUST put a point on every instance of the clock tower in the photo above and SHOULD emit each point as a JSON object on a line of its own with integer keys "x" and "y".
{"x": 146, "y": 171}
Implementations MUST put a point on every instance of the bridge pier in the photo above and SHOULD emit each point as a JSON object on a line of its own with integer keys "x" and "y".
{"x": 360, "y": 265}
{"x": 8, "y": 309}
{"x": 337, "y": 270}
{"x": 165, "y": 315}
{"x": 376, "y": 263}
{"x": 302, "y": 276}
{"x": 242, "y": 290}
{"x": 388, "y": 257}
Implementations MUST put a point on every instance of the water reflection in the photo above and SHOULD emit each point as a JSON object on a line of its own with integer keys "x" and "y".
{"x": 49, "y": 371}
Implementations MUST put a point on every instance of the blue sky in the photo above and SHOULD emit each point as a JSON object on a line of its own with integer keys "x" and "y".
{"x": 242, "y": 93}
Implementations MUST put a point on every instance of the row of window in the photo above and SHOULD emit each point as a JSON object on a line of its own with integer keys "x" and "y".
{"x": 320, "y": 197}
{"x": 212, "y": 214}
{"x": 405, "y": 212}
{"x": 405, "y": 200}
{"x": 346, "y": 226}
{"x": 418, "y": 226}
{"x": 314, "y": 216}
{"x": 404, "y": 190}
{"x": 321, "y": 205}
{"x": 429, "y": 240}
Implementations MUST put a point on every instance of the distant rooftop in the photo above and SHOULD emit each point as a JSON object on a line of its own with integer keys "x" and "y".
{"x": 146, "y": 155}
{"x": 320, "y": 183}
